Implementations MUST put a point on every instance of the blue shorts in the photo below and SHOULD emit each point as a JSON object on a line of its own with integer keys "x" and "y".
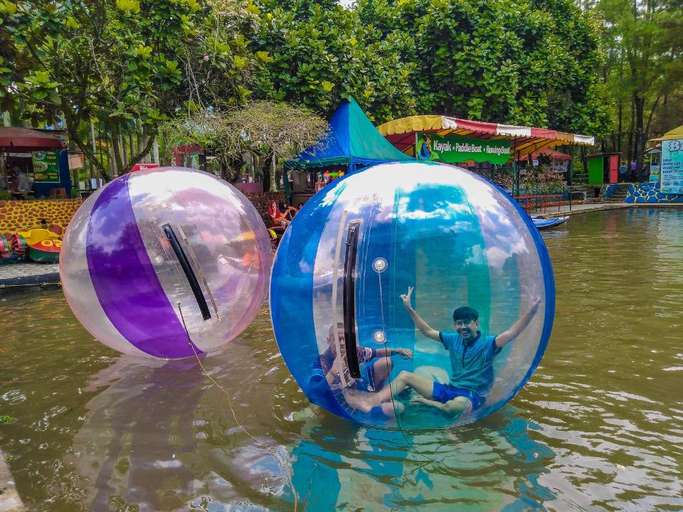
{"x": 445, "y": 393}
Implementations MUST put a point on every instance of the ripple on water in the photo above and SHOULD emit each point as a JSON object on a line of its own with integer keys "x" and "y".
{"x": 598, "y": 428}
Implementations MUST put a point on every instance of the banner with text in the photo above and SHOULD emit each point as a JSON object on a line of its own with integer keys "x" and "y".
{"x": 671, "y": 170}
{"x": 455, "y": 149}
{"x": 45, "y": 167}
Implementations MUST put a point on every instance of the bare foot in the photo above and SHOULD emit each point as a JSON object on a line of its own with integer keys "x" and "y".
{"x": 360, "y": 400}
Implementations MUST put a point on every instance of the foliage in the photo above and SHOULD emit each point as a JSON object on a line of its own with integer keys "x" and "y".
{"x": 4, "y": 419}
{"x": 130, "y": 66}
{"x": 541, "y": 180}
{"x": 268, "y": 131}
{"x": 127, "y": 64}
{"x": 317, "y": 53}
{"x": 644, "y": 69}
{"x": 219, "y": 63}
{"x": 273, "y": 129}
{"x": 524, "y": 62}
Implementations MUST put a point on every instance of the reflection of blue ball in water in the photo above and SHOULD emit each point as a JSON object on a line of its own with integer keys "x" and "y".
{"x": 165, "y": 263}
{"x": 361, "y": 243}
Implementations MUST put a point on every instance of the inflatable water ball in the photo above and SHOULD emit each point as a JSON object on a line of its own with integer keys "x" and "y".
{"x": 165, "y": 263}
{"x": 412, "y": 295}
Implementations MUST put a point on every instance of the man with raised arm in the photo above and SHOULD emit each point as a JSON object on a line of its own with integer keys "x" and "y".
{"x": 471, "y": 356}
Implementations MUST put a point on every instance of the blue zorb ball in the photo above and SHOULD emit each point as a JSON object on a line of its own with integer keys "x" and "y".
{"x": 412, "y": 295}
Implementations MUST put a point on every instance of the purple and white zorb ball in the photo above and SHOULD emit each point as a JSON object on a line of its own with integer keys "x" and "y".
{"x": 165, "y": 263}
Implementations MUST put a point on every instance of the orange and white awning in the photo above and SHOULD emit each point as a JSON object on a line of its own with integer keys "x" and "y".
{"x": 525, "y": 139}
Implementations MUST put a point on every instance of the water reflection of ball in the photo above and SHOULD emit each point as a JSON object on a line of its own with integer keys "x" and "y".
{"x": 360, "y": 244}
{"x": 166, "y": 262}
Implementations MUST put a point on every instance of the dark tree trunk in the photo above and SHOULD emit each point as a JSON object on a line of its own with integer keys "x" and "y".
{"x": 115, "y": 139}
{"x": 638, "y": 143}
{"x": 620, "y": 109}
{"x": 72, "y": 124}
{"x": 648, "y": 125}
{"x": 629, "y": 148}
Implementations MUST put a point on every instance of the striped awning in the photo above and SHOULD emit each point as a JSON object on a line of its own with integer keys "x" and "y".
{"x": 525, "y": 139}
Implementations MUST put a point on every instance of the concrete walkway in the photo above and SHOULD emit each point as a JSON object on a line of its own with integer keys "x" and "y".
{"x": 560, "y": 211}
{"x": 9, "y": 498}
{"x": 20, "y": 275}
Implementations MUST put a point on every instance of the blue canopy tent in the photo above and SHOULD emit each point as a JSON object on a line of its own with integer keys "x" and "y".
{"x": 352, "y": 141}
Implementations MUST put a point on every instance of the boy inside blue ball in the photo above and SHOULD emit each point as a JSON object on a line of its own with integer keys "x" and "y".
{"x": 375, "y": 363}
{"x": 375, "y": 367}
{"x": 471, "y": 357}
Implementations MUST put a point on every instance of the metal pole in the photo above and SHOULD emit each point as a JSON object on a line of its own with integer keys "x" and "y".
{"x": 515, "y": 175}
{"x": 569, "y": 179}
{"x": 93, "y": 167}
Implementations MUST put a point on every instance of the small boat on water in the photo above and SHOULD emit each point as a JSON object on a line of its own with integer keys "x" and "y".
{"x": 543, "y": 223}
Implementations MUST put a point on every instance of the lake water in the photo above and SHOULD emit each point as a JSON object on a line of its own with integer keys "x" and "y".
{"x": 599, "y": 426}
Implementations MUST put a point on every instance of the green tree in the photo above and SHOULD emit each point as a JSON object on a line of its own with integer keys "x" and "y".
{"x": 525, "y": 62}
{"x": 644, "y": 70}
{"x": 219, "y": 64}
{"x": 126, "y": 65}
{"x": 269, "y": 132}
{"x": 317, "y": 53}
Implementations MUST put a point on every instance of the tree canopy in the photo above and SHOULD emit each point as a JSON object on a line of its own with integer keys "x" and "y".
{"x": 320, "y": 52}
{"x": 520, "y": 62}
{"x": 267, "y": 131}
{"x": 126, "y": 65}
{"x": 122, "y": 68}
{"x": 643, "y": 70}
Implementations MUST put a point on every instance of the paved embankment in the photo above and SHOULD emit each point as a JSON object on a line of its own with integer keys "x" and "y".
{"x": 9, "y": 499}
{"x": 559, "y": 211}
{"x": 20, "y": 275}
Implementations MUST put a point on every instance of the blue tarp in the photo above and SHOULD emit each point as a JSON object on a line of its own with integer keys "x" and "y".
{"x": 352, "y": 140}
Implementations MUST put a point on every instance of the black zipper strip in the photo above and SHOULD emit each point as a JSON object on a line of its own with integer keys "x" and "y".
{"x": 350, "y": 299}
{"x": 187, "y": 269}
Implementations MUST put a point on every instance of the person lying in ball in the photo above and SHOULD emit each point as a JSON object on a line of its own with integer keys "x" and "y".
{"x": 375, "y": 368}
{"x": 471, "y": 356}
{"x": 375, "y": 364}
